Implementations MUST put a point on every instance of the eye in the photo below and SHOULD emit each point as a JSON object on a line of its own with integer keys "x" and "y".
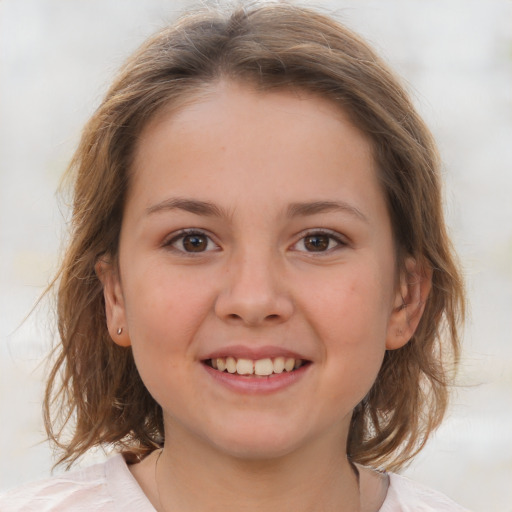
{"x": 192, "y": 242}
{"x": 319, "y": 241}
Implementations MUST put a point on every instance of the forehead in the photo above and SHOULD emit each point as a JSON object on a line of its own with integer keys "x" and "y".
{"x": 286, "y": 140}
{"x": 212, "y": 103}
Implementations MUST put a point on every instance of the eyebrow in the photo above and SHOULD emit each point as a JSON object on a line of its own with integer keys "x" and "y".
{"x": 204, "y": 208}
{"x": 317, "y": 207}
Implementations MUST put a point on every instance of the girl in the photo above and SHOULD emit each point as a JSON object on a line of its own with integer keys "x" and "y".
{"x": 259, "y": 304}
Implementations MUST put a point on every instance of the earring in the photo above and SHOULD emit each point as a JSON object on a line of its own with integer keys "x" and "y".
{"x": 119, "y": 331}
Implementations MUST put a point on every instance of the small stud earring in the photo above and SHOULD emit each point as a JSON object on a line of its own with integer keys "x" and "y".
{"x": 119, "y": 331}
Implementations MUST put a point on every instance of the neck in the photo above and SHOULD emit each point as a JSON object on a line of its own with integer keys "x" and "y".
{"x": 194, "y": 476}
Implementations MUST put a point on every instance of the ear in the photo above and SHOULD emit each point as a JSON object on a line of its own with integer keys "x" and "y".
{"x": 108, "y": 274}
{"x": 411, "y": 296}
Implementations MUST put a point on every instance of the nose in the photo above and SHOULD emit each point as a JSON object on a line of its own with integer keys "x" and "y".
{"x": 254, "y": 292}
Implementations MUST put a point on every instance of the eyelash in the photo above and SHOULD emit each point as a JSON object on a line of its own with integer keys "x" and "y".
{"x": 183, "y": 234}
{"x": 330, "y": 235}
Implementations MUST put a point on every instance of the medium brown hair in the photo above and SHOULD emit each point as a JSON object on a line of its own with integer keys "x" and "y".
{"x": 94, "y": 383}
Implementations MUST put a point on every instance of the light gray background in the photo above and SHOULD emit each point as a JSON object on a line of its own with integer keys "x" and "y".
{"x": 56, "y": 59}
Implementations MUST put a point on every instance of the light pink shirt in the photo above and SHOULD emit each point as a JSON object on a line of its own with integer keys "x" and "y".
{"x": 110, "y": 487}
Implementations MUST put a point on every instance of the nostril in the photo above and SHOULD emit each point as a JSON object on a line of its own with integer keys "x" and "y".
{"x": 252, "y": 308}
{"x": 252, "y": 319}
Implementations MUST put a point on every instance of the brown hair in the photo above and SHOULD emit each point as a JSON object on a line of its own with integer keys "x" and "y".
{"x": 94, "y": 382}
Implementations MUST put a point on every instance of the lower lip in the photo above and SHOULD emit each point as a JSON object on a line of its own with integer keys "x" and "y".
{"x": 252, "y": 384}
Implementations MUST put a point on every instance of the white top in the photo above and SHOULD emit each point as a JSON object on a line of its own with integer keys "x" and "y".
{"x": 110, "y": 487}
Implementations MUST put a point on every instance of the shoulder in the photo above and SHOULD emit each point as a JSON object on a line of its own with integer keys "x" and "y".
{"x": 405, "y": 495}
{"x": 105, "y": 487}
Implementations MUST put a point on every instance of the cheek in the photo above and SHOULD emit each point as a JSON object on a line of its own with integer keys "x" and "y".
{"x": 356, "y": 301}
{"x": 163, "y": 312}
{"x": 157, "y": 291}
{"x": 164, "y": 309}
{"x": 351, "y": 318}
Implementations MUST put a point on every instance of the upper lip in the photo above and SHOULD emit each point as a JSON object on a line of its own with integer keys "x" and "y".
{"x": 254, "y": 353}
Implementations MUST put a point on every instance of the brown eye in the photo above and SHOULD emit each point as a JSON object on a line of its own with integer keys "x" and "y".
{"x": 192, "y": 242}
{"x": 321, "y": 241}
{"x": 317, "y": 243}
{"x": 195, "y": 243}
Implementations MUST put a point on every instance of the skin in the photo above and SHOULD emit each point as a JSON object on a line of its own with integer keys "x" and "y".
{"x": 257, "y": 282}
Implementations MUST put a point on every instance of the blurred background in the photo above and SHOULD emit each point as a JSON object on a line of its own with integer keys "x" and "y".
{"x": 57, "y": 58}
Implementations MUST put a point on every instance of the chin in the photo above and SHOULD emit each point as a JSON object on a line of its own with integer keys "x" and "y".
{"x": 258, "y": 442}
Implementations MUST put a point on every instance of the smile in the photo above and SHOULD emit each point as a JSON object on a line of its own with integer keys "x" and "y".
{"x": 259, "y": 367}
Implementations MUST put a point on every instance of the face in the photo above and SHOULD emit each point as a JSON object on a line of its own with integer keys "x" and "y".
{"x": 255, "y": 237}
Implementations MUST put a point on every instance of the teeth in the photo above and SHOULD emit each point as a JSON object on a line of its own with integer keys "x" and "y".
{"x": 289, "y": 364}
{"x": 244, "y": 367}
{"x": 262, "y": 367}
{"x": 231, "y": 364}
{"x": 278, "y": 365}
